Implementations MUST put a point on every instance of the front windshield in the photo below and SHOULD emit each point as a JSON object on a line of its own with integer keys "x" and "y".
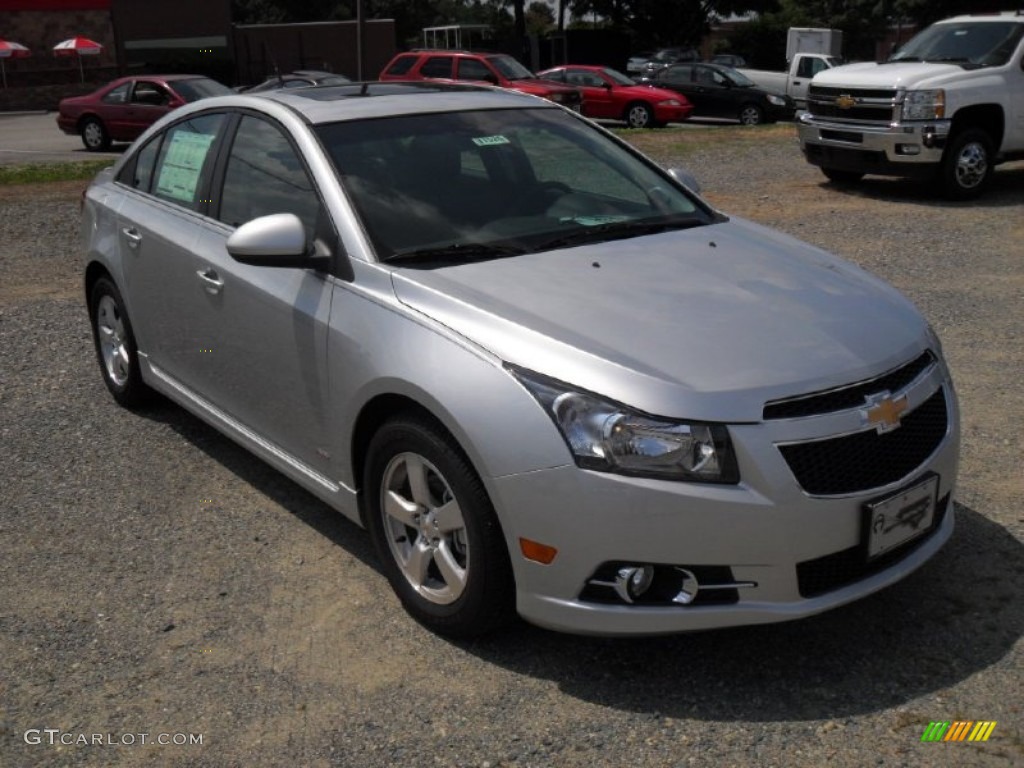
{"x": 511, "y": 69}
{"x": 971, "y": 43}
{"x": 199, "y": 88}
{"x": 617, "y": 77}
{"x": 737, "y": 77}
{"x": 461, "y": 186}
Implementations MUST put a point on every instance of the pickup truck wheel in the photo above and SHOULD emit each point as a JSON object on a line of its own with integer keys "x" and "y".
{"x": 967, "y": 165}
{"x": 751, "y": 114}
{"x": 842, "y": 177}
{"x": 639, "y": 115}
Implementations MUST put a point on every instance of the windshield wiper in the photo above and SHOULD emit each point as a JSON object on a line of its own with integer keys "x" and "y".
{"x": 456, "y": 253}
{"x": 904, "y": 58}
{"x": 617, "y": 230}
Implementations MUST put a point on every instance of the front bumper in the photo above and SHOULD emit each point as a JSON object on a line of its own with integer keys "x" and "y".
{"x": 897, "y": 149}
{"x": 665, "y": 113}
{"x": 794, "y": 554}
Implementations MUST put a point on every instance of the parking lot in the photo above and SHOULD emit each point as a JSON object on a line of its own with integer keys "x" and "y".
{"x": 156, "y": 579}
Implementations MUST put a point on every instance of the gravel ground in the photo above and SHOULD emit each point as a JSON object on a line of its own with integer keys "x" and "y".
{"x": 156, "y": 579}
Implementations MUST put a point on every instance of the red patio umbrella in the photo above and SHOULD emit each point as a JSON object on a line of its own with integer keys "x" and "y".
{"x": 78, "y": 46}
{"x": 11, "y": 50}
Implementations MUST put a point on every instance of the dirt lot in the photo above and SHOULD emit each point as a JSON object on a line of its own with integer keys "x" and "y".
{"x": 156, "y": 579}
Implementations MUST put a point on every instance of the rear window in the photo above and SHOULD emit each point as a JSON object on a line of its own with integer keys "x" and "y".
{"x": 401, "y": 65}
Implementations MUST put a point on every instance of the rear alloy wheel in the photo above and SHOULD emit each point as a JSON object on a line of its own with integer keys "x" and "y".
{"x": 639, "y": 115}
{"x": 842, "y": 177}
{"x": 435, "y": 531}
{"x": 94, "y": 135}
{"x": 751, "y": 114}
{"x": 967, "y": 165}
{"x": 115, "y": 345}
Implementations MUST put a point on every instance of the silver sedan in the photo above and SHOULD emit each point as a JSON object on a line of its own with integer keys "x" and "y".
{"x": 546, "y": 376}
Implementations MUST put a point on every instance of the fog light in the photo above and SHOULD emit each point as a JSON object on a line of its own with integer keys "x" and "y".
{"x": 688, "y": 588}
{"x": 908, "y": 149}
{"x": 632, "y": 581}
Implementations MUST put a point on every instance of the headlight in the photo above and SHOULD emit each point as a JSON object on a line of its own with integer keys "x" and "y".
{"x": 670, "y": 103}
{"x": 778, "y": 101}
{"x": 924, "y": 105}
{"x": 609, "y": 437}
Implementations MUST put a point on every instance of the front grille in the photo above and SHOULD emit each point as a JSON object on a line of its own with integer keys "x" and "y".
{"x": 832, "y": 572}
{"x": 874, "y": 105}
{"x": 852, "y": 396}
{"x": 866, "y": 460}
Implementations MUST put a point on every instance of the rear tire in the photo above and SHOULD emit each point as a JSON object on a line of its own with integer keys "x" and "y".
{"x": 435, "y": 530}
{"x": 842, "y": 177}
{"x": 116, "y": 351}
{"x": 967, "y": 165}
{"x": 94, "y": 135}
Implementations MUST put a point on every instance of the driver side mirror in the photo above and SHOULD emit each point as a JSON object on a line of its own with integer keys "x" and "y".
{"x": 277, "y": 240}
{"x": 685, "y": 178}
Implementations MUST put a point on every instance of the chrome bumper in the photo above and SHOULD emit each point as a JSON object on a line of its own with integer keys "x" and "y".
{"x": 900, "y": 142}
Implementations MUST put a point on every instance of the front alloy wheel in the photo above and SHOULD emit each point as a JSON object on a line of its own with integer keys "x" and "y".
{"x": 751, "y": 114}
{"x": 435, "y": 530}
{"x": 639, "y": 115}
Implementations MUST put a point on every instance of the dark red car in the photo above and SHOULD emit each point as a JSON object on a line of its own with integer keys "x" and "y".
{"x": 123, "y": 109}
{"x": 493, "y": 68}
{"x": 609, "y": 94}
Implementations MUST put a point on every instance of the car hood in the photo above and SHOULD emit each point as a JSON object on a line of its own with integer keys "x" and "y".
{"x": 706, "y": 323}
{"x": 895, "y": 74}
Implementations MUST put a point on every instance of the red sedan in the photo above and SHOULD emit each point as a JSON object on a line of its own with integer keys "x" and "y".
{"x": 610, "y": 94}
{"x": 121, "y": 110}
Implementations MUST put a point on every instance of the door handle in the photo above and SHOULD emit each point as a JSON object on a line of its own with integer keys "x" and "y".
{"x": 796, "y": 82}
{"x": 131, "y": 234}
{"x": 211, "y": 280}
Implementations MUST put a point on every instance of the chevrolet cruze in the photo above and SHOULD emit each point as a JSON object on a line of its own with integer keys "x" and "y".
{"x": 547, "y": 377}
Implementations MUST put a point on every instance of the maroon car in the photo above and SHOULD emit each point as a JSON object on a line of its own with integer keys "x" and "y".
{"x": 611, "y": 95}
{"x": 123, "y": 109}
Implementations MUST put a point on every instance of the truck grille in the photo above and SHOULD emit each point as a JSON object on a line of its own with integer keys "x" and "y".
{"x": 872, "y": 105}
{"x": 865, "y": 460}
{"x": 852, "y": 396}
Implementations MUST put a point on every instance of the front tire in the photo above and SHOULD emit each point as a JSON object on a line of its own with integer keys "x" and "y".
{"x": 435, "y": 530}
{"x": 967, "y": 165}
{"x": 114, "y": 340}
{"x": 751, "y": 114}
{"x": 639, "y": 115}
{"x": 94, "y": 135}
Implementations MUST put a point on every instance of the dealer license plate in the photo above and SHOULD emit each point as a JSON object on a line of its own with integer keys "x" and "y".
{"x": 901, "y": 517}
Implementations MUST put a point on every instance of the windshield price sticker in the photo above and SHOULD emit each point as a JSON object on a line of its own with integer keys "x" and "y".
{"x": 490, "y": 141}
{"x": 900, "y": 518}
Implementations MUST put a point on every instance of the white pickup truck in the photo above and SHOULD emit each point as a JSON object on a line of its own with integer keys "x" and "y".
{"x": 947, "y": 107}
{"x": 794, "y": 81}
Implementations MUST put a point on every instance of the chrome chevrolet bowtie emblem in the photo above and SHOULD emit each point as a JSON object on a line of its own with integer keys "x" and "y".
{"x": 845, "y": 101}
{"x": 884, "y": 412}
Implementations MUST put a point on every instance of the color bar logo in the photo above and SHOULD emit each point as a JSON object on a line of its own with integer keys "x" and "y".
{"x": 959, "y": 730}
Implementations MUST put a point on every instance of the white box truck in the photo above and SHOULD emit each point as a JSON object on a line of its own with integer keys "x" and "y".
{"x": 812, "y": 40}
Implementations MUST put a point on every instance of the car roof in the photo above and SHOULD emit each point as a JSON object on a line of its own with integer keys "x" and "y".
{"x": 355, "y": 101}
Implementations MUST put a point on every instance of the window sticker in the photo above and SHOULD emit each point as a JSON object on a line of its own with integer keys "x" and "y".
{"x": 490, "y": 141}
{"x": 179, "y": 174}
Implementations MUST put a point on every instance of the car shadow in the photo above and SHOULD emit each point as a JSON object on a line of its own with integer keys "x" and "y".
{"x": 956, "y": 616}
{"x": 1006, "y": 190}
{"x": 264, "y": 478}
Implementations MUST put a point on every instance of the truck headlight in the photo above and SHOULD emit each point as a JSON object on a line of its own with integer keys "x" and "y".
{"x": 609, "y": 437}
{"x": 924, "y": 105}
{"x": 778, "y": 101}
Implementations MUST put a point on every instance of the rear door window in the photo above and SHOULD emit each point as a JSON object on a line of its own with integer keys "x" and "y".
{"x": 186, "y": 160}
{"x": 438, "y": 66}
